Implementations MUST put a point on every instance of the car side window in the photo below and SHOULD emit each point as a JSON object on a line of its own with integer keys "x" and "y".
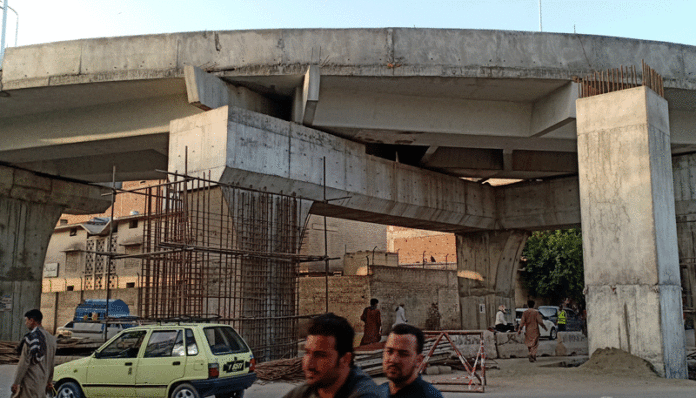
{"x": 165, "y": 343}
{"x": 191, "y": 343}
{"x": 126, "y": 345}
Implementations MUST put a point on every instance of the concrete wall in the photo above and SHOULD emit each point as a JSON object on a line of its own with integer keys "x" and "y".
{"x": 417, "y": 289}
{"x": 363, "y": 262}
{"x": 348, "y": 295}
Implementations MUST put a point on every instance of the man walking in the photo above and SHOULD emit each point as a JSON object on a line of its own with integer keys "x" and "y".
{"x": 400, "y": 315}
{"x": 403, "y": 354}
{"x": 372, "y": 317}
{"x": 37, "y": 351}
{"x": 531, "y": 320}
{"x": 328, "y": 363}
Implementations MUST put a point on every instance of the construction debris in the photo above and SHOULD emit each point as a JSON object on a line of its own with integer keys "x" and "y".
{"x": 282, "y": 369}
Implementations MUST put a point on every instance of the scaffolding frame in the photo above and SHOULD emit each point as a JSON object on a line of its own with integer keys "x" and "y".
{"x": 216, "y": 251}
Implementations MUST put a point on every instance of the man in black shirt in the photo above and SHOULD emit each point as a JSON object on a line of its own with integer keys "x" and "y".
{"x": 328, "y": 363}
{"x": 403, "y": 354}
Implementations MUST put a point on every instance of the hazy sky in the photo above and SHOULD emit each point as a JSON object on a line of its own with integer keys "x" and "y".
{"x": 43, "y": 21}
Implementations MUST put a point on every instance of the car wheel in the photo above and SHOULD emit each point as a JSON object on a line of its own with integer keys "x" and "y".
{"x": 553, "y": 334}
{"x": 69, "y": 390}
{"x": 185, "y": 391}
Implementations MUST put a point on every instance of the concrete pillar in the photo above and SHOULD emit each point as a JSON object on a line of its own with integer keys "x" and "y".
{"x": 487, "y": 265}
{"x": 629, "y": 232}
{"x": 30, "y": 206}
{"x": 684, "y": 169}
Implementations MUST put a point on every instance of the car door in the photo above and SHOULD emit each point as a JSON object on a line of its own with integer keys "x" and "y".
{"x": 111, "y": 371}
{"x": 163, "y": 361}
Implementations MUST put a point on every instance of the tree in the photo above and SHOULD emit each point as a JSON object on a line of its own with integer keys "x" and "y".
{"x": 554, "y": 265}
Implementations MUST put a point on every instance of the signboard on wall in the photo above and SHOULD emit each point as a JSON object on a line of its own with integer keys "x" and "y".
{"x": 6, "y": 303}
{"x": 50, "y": 270}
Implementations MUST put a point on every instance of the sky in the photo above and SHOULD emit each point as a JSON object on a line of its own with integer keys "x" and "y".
{"x": 42, "y": 21}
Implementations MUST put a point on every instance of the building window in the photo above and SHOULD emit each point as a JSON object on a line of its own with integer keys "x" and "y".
{"x": 73, "y": 231}
{"x": 130, "y": 284}
{"x": 133, "y": 224}
{"x": 63, "y": 221}
{"x": 70, "y": 288}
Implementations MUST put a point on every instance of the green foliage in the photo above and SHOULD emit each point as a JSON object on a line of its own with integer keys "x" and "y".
{"x": 554, "y": 265}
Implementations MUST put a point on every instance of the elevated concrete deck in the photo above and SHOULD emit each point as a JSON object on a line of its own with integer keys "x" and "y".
{"x": 462, "y": 102}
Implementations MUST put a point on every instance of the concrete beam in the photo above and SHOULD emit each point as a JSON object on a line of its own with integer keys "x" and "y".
{"x": 310, "y": 94}
{"x": 254, "y": 150}
{"x": 554, "y": 110}
{"x": 535, "y": 205}
{"x": 207, "y": 91}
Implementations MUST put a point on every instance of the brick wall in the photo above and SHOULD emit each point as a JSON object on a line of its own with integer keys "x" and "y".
{"x": 417, "y": 289}
{"x": 412, "y": 243}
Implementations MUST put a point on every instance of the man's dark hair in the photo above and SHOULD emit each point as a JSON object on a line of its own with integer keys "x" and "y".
{"x": 405, "y": 328}
{"x": 331, "y": 324}
{"x": 35, "y": 315}
{"x": 530, "y": 303}
{"x": 374, "y": 302}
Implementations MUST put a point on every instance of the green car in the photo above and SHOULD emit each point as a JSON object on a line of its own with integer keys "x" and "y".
{"x": 168, "y": 360}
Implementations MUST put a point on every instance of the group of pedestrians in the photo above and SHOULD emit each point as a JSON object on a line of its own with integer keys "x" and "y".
{"x": 330, "y": 372}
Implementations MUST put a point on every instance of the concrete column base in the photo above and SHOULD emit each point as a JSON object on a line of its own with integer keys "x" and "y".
{"x": 629, "y": 316}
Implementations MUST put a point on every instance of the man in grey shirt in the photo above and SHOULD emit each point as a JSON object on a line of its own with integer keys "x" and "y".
{"x": 37, "y": 350}
{"x": 328, "y": 363}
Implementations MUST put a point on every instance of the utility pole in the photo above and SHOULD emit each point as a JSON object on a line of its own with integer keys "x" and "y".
{"x": 540, "y": 16}
{"x": 4, "y": 28}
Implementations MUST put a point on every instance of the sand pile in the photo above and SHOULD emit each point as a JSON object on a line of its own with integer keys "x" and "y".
{"x": 614, "y": 360}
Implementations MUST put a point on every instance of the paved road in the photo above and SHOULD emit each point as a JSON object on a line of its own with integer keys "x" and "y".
{"x": 515, "y": 378}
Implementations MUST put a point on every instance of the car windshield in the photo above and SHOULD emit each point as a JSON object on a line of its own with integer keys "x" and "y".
{"x": 126, "y": 345}
{"x": 224, "y": 340}
{"x": 547, "y": 311}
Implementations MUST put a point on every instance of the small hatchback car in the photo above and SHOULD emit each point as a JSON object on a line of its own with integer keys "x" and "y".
{"x": 168, "y": 360}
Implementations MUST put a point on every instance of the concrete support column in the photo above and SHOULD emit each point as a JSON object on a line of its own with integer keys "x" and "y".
{"x": 684, "y": 168}
{"x": 629, "y": 232}
{"x": 30, "y": 206}
{"x": 487, "y": 265}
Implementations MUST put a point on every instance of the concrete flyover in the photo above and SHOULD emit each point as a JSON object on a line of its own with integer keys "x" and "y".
{"x": 400, "y": 115}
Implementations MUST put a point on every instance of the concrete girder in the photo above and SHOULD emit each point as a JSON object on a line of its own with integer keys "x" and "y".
{"x": 131, "y": 134}
{"x": 261, "y": 152}
{"x": 207, "y": 91}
